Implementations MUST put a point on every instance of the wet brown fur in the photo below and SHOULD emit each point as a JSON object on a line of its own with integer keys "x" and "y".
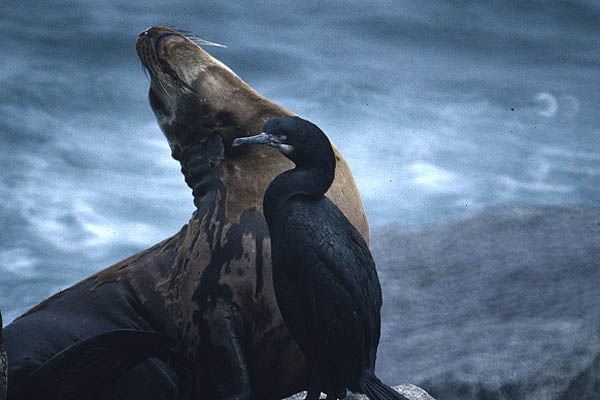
{"x": 213, "y": 278}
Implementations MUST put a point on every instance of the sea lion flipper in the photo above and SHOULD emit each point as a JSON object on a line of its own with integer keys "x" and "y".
{"x": 89, "y": 365}
{"x": 231, "y": 373}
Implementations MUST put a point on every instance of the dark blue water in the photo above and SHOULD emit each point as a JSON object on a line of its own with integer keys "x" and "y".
{"x": 442, "y": 110}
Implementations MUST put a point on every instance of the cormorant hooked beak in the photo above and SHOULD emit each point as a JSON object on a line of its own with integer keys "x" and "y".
{"x": 264, "y": 138}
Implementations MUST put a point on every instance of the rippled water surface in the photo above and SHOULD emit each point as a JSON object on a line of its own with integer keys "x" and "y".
{"x": 441, "y": 111}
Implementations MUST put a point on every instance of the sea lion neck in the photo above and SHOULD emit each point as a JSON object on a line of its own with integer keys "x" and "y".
{"x": 211, "y": 169}
{"x": 201, "y": 165}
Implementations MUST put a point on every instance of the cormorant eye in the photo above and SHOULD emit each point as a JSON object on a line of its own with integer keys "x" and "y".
{"x": 281, "y": 138}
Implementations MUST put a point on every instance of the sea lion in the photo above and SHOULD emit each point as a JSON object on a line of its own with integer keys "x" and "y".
{"x": 210, "y": 284}
{"x": 86, "y": 369}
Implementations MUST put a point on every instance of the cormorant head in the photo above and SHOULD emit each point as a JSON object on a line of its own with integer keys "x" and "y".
{"x": 299, "y": 140}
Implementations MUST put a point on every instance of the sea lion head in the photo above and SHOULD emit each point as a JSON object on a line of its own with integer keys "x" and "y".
{"x": 195, "y": 96}
{"x": 202, "y": 106}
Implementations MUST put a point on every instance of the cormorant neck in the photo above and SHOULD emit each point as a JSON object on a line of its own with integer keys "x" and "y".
{"x": 312, "y": 182}
{"x": 201, "y": 165}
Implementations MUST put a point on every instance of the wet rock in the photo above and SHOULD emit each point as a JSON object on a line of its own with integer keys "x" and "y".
{"x": 3, "y": 365}
{"x": 411, "y": 392}
{"x": 502, "y": 305}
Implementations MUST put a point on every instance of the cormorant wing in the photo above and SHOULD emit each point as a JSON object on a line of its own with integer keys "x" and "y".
{"x": 319, "y": 239}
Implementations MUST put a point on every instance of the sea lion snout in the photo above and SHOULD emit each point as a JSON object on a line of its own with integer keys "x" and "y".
{"x": 156, "y": 31}
{"x": 155, "y": 47}
{"x": 194, "y": 95}
{"x": 175, "y": 57}
{"x": 161, "y": 41}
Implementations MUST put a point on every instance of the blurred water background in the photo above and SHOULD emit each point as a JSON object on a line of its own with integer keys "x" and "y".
{"x": 444, "y": 110}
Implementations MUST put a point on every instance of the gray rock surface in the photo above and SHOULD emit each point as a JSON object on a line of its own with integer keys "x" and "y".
{"x": 3, "y": 365}
{"x": 411, "y": 392}
{"x": 503, "y": 305}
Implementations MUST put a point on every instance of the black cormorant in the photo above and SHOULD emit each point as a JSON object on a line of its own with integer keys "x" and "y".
{"x": 324, "y": 276}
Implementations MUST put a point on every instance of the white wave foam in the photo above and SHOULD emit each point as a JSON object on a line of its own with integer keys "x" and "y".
{"x": 513, "y": 185}
{"x": 434, "y": 179}
{"x": 18, "y": 261}
{"x": 562, "y": 152}
{"x": 547, "y": 104}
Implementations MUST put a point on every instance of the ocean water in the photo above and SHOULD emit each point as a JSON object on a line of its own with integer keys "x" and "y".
{"x": 442, "y": 110}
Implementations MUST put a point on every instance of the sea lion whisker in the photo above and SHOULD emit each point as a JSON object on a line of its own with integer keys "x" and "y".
{"x": 198, "y": 40}
{"x": 165, "y": 91}
{"x": 175, "y": 29}
{"x": 202, "y": 42}
{"x": 167, "y": 70}
{"x": 185, "y": 32}
{"x": 145, "y": 69}
{"x": 153, "y": 73}
{"x": 155, "y": 69}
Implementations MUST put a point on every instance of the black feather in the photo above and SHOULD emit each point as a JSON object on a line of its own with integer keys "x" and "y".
{"x": 324, "y": 277}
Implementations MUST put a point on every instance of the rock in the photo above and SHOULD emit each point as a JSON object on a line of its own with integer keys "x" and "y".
{"x": 411, "y": 392}
{"x": 3, "y": 365}
{"x": 586, "y": 385}
{"x": 502, "y": 305}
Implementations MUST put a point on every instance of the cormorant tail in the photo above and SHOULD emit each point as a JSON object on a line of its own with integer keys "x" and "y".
{"x": 370, "y": 385}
